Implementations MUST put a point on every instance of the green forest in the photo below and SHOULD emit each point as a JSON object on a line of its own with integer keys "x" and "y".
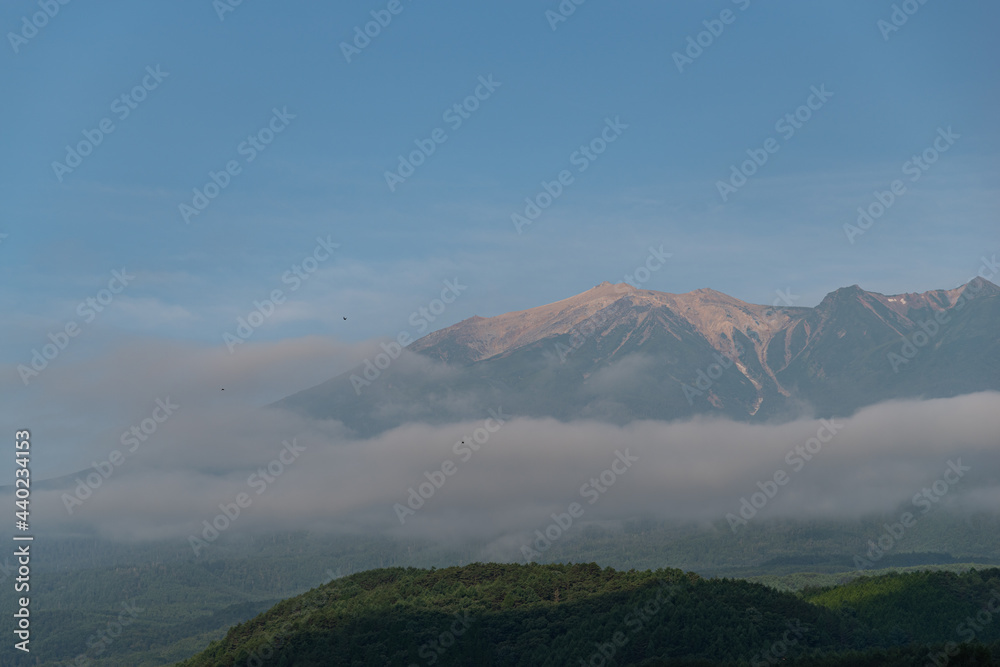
{"x": 82, "y": 584}
{"x": 582, "y": 614}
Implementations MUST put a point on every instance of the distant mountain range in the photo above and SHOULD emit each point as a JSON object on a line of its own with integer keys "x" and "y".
{"x": 616, "y": 353}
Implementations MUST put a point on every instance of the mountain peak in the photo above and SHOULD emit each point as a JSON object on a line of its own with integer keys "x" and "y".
{"x": 708, "y": 291}
{"x": 617, "y": 288}
{"x": 917, "y": 304}
{"x": 715, "y": 315}
{"x": 475, "y": 339}
{"x": 979, "y": 286}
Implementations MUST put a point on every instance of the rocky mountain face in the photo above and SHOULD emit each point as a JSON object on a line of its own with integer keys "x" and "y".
{"x": 617, "y": 353}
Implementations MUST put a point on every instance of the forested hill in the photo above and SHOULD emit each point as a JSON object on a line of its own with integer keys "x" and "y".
{"x": 549, "y": 615}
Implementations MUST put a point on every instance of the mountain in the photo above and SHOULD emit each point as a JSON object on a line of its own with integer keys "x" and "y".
{"x": 617, "y": 353}
{"x": 493, "y": 614}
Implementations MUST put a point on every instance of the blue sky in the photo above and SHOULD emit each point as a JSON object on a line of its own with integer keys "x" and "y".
{"x": 323, "y": 176}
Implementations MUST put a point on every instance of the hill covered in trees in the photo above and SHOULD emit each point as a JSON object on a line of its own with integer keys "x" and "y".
{"x": 188, "y": 602}
{"x": 548, "y": 615}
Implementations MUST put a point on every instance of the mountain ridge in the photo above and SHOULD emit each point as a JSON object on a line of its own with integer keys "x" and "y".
{"x": 618, "y": 353}
{"x": 587, "y": 303}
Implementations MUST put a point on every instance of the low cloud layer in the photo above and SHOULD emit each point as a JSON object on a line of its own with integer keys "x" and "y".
{"x": 507, "y": 478}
